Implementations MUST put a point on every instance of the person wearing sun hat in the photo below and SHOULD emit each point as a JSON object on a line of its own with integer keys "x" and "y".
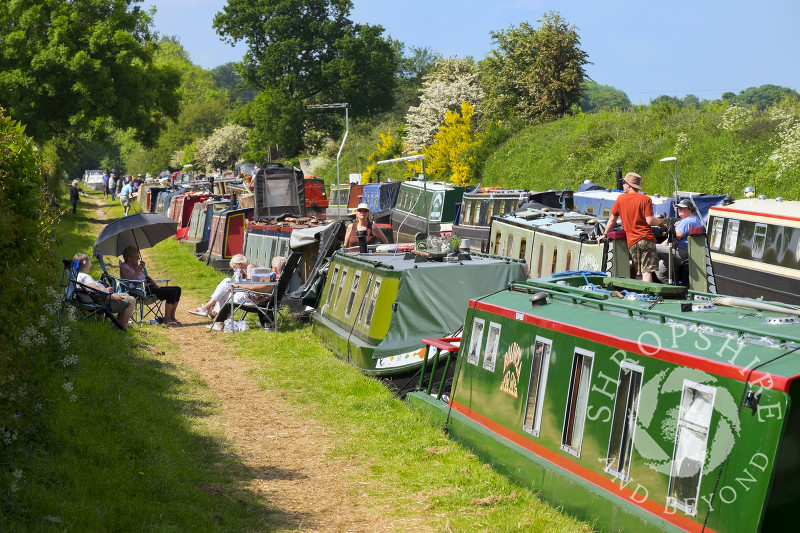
{"x": 363, "y": 223}
{"x": 688, "y": 220}
{"x": 636, "y": 213}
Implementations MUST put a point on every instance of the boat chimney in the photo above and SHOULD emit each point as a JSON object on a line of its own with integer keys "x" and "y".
{"x": 619, "y": 178}
{"x": 362, "y": 241}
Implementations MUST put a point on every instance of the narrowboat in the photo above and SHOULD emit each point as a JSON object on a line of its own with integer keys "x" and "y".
{"x": 427, "y": 207}
{"x": 754, "y": 248}
{"x": 93, "y": 179}
{"x": 480, "y": 205}
{"x": 343, "y": 199}
{"x": 635, "y": 406}
{"x": 316, "y": 198}
{"x": 264, "y": 241}
{"x": 183, "y": 206}
{"x": 375, "y": 307}
{"x": 381, "y": 198}
{"x": 550, "y": 241}
{"x": 226, "y": 237}
{"x": 279, "y": 191}
{"x": 202, "y": 217}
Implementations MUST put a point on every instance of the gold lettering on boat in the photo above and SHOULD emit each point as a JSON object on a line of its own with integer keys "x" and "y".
{"x": 511, "y": 370}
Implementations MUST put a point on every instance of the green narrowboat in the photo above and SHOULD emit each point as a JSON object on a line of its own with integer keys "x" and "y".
{"x": 480, "y": 205}
{"x": 754, "y": 247}
{"x": 410, "y": 217}
{"x": 375, "y": 307}
{"x": 636, "y": 406}
{"x": 343, "y": 199}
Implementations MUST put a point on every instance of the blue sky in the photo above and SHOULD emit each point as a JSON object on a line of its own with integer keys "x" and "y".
{"x": 645, "y": 48}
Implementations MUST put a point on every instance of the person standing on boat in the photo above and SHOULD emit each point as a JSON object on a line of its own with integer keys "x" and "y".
{"x": 680, "y": 251}
{"x": 74, "y": 191}
{"x": 636, "y": 213}
{"x": 363, "y": 223}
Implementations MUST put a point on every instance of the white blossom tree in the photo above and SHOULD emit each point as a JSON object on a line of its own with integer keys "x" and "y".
{"x": 452, "y": 82}
{"x": 223, "y": 148}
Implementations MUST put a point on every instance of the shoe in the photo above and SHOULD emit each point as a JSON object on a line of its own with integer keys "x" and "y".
{"x": 215, "y": 326}
{"x": 199, "y": 311}
{"x": 173, "y": 324}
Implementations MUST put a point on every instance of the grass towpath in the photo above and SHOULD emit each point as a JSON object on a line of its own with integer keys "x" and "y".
{"x": 253, "y": 431}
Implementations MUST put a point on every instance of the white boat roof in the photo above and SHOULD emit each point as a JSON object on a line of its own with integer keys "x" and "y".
{"x": 785, "y": 211}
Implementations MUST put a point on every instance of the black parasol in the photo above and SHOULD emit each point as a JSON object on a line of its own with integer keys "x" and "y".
{"x": 143, "y": 230}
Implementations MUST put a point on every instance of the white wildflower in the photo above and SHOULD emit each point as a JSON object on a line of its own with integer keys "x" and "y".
{"x": 67, "y": 386}
{"x": 13, "y": 487}
{"x": 682, "y": 143}
{"x": 735, "y": 118}
{"x": 69, "y": 360}
{"x": 72, "y": 397}
{"x": 17, "y": 473}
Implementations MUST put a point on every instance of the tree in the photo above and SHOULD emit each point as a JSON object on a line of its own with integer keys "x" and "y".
{"x": 452, "y": 153}
{"x": 223, "y": 148}
{"x": 596, "y": 97}
{"x": 537, "y": 74}
{"x": 310, "y": 51}
{"x": 229, "y": 79}
{"x": 764, "y": 96}
{"x": 452, "y": 82}
{"x": 72, "y": 69}
{"x": 411, "y": 71}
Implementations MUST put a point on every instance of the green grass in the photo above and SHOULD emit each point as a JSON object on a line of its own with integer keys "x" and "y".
{"x": 129, "y": 447}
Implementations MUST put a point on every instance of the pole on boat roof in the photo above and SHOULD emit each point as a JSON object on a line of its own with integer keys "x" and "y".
{"x": 424, "y": 184}
{"x": 674, "y": 175}
{"x": 346, "y": 107}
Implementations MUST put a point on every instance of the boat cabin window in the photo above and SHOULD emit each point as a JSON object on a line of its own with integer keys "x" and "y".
{"x": 476, "y": 219}
{"x": 496, "y": 250}
{"x": 522, "y": 247}
{"x": 606, "y": 212}
{"x": 797, "y": 251}
{"x": 555, "y": 261}
{"x": 490, "y": 211}
{"x": 475, "y": 341}
{"x": 339, "y": 289}
{"x": 533, "y": 408}
{"x": 694, "y": 419}
{"x": 590, "y": 209}
{"x": 577, "y": 400}
{"x": 492, "y": 345}
{"x": 509, "y": 245}
{"x": 332, "y": 285}
{"x": 716, "y": 233}
{"x": 569, "y": 260}
{"x": 372, "y": 300}
{"x": 732, "y": 235}
{"x": 468, "y": 212}
{"x": 353, "y": 290}
{"x": 361, "y": 306}
{"x": 541, "y": 260}
{"x": 759, "y": 240}
{"x": 623, "y": 422}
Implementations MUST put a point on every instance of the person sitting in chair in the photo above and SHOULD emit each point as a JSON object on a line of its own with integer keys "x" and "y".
{"x": 133, "y": 268}
{"x": 680, "y": 251}
{"x": 241, "y": 268}
{"x": 224, "y": 311}
{"x": 120, "y": 303}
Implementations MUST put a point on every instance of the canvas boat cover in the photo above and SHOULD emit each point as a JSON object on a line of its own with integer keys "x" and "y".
{"x": 279, "y": 191}
{"x": 432, "y": 299}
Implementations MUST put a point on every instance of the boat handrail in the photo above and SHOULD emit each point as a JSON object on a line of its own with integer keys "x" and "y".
{"x": 603, "y": 301}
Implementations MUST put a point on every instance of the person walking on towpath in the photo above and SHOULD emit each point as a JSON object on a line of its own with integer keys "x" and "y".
{"x": 636, "y": 213}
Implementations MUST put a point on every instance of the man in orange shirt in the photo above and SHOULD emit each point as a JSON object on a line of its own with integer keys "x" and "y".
{"x": 636, "y": 213}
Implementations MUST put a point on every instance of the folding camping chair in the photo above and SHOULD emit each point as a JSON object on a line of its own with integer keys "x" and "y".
{"x": 147, "y": 305}
{"x": 269, "y": 310}
{"x": 90, "y": 302}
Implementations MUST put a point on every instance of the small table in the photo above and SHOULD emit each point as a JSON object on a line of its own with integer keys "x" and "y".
{"x": 246, "y": 286}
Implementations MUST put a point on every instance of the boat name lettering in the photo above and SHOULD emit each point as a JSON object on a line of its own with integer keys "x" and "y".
{"x": 511, "y": 370}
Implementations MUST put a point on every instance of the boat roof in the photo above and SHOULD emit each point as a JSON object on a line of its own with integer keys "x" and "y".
{"x": 432, "y": 185}
{"x": 738, "y": 338}
{"x": 566, "y": 223}
{"x": 761, "y": 209}
{"x": 407, "y": 261}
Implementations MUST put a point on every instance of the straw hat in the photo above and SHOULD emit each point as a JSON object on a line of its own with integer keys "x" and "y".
{"x": 362, "y": 207}
{"x": 634, "y": 180}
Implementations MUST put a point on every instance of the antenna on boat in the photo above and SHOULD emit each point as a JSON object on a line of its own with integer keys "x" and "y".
{"x": 346, "y": 108}
{"x": 424, "y": 183}
{"x": 674, "y": 176}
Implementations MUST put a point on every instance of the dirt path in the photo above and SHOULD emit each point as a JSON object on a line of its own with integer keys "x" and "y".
{"x": 288, "y": 455}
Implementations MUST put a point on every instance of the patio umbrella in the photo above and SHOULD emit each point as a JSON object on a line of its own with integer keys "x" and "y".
{"x": 143, "y": 230}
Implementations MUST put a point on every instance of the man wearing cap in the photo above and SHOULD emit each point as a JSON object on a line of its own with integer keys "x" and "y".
{"x": 636, "y": 213}
{"x": 688, "y": 220}
{"x": 363, "y": 223}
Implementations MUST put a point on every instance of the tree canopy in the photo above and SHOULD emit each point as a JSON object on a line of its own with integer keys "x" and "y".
{"x": 72, "y": 69}
{"x": 534, "y": 73}
{"x": 308, "y": 51}
{"x": 597, "y": 97}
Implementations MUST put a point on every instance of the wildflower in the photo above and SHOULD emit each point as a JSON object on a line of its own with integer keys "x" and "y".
{"x": 69, "y": 360}
{"x": 67, "y": 386}
{"x": 17, "y": 473}
{"x": 73, "y": 398}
